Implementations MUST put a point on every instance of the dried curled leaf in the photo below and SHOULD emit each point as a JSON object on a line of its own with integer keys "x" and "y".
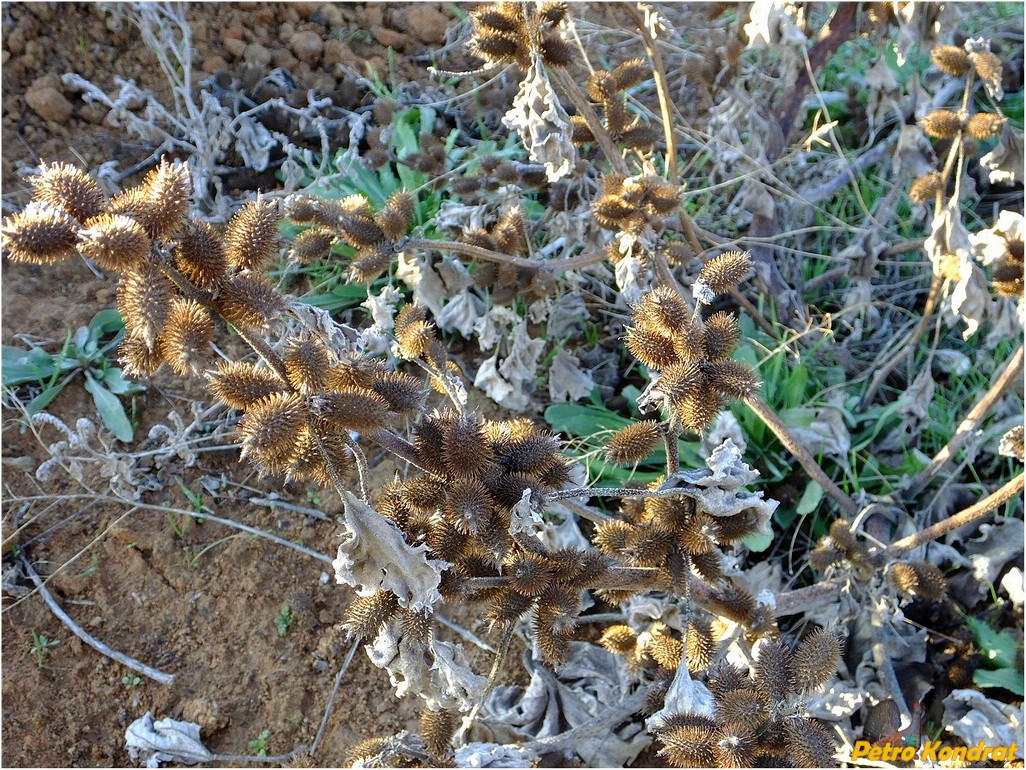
{"x": 542, "y": 123}
{"x": 373, "y": 556}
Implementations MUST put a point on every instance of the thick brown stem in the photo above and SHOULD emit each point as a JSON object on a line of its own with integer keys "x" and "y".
{"x": 605, "y": 142}
{"x": 959, "y": 520}
{"x": 1012, "y": 373}
{"x": 801, "y": 454}
{"x": 476, "y": 252}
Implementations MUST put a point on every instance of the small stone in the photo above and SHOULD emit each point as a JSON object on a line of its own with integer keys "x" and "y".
{"x": 256, "y": 55}
{"x": 283, "y": 58}
{"x": 308, "y": 47}
{"x": 427, "y": 23}
{"x": 390, "y": 38}
{"x": 286, "y": 31}
{"x": 214, "y": 64}
{"x": 234, "y": 46}
{"x": 305, "y": 9}
{"x": 205, "y": 712}
{"x": 50, "y": 104}
{"x": 332, "y": 15}
{"x": 92, "y": 113}
{"x": 235, "y": 32}
{"x": 336, "y": 52}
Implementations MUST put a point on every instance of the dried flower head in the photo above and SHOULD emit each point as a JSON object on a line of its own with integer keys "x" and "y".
{"x": 65, "y": 187}
{"x": 199, "y": 255}
{"x": 941, "y": 124}
{"x": 273, "y": 430}
{"x": 925, "y": 188}
{"x": 721, "y": 274}
{"x": 40, "y": 233}
{"x": 918, "y": 578}
{"x": 633, "y": 443}
{"x": 984, "y": 125}
{"x": 114, "y": 242}
{"x": 144, "y": 298}
{"x": 815, "y": 660}
{"x": 951, "y": 60}
{"x": 241, "y": 385}
{"x": 251, "y": 239}
{"x": 187, "y": 335}
{"x": 988, "y": 66}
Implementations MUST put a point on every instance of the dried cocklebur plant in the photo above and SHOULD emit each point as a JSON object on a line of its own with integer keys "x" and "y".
{"x": 692, "y": 354}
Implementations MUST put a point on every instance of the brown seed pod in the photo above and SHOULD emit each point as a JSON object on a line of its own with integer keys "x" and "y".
{"x": 652, "y": 348}
{"x": 307, "y": 363}
{"x": 633, "y": 443}
{"x": 437, "y": 729}
{"x": 65, "y": 187}
{"x": 642, "y": 137}
{"x": 405, "y": 394}
{"x": 510, "y": 232}
{"x": 772, "y": 664}
{"x": 508, "y": 607}
{"x": 984, "y": 125}
{"x": 612, "y": 212}
{"x": 620, "y": 640}
{"x": 988, "y": 67}
{"x": 925, "y": 188}
{"x": 358, "y": 230}
{"x": 843, "y": 537}
{"x": 700, "y": 646}
{"x": 555, "y": 51}
{"x": 367, "y": 614}
{"x": 138, "y": 358}
{"x": 618, "y": 118}
{"x": 312, "y": 245}
{"x": 530, "y": 453}
{"x": 41, "y": 233}
{"x": 681, "y": 381}
{"x": 370, "y": 262}
{"x": 251, "y": 239}
{"x": 575, "y": 568}
{"x": 689, "y": 744}
{"x": 721, "y": 336}
{"x": 467, "y": 453}
{"x": 552, "y": 12}
{"x": 396, "y": 216}
{"x": 648, "y": 546}
{"x": 662, "y": 198}
{"x": 732, "y": 601}
{"x": 529, "y": 574}
{"x": 809, "y": 742}
{"x": 697, "y": 410}
{"x": 698, "y": 535}
{"x": 301, "y": 209}
{"x": 663, "y": 310}
{"x": 240, "y": 385}
{"x": 247, "y": 300}
{"x": 114, "y": 242}
{"x": 165, "y": 190}
{"x": 601, "y": 86}
{"x": 610, "y": 536}
{"x": 733, "y": 379}
{"x": 666, "y": 650}
{"x": 415, "y": 338}
{"x": 581, "y": 131}
{"x": 272, "y": 431}
{"x": 199, "y": 255}
{"x": 629, "y": 73}
{"x": 737, "y": 703}
{"x": 358, "y": 410}
{"x": 721, "y": 274}
{"x": 918, "y": 578}
{"x": 815, "y": 661}
{"x": 187, "y": 335}
{"x": 689, "y": 344}
{"x": 950, "y": 59}
{"x": 734, "y": 746}
{"x": 941, "y": 124}
{"x": 466, "y": 504}
{"x": 309, "y": 462}
{"x": 144, "y": 299}
{"x": 498, "y": 47}
{"x": 727, "y": 677}
{"x": 410, "y": 314}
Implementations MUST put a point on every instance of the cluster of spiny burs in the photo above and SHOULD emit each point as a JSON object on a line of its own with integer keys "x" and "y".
{"x": 505, "y": 33}
{"x": 609, "y": 91}
{"x": 756, "y": 719}
{"x": 953, "y": 125}
{"x": 692, "y": 353}
{"x": 178, "y": 277}
{"x": 841, "y": 551}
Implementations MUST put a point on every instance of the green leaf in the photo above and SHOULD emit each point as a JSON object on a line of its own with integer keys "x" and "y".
{"x": 811, "y": 498}
{"x": 115, "y": 382}
{"x": 996, "y": 647}
{"x": 1008, "y": 678}
{"x": 757, "y": 542}
{"x": 111, "y": 411}
{"x": 19, "y": 366}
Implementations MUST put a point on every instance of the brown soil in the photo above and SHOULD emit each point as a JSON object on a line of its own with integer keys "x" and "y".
{"x": 127, "y": 577}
